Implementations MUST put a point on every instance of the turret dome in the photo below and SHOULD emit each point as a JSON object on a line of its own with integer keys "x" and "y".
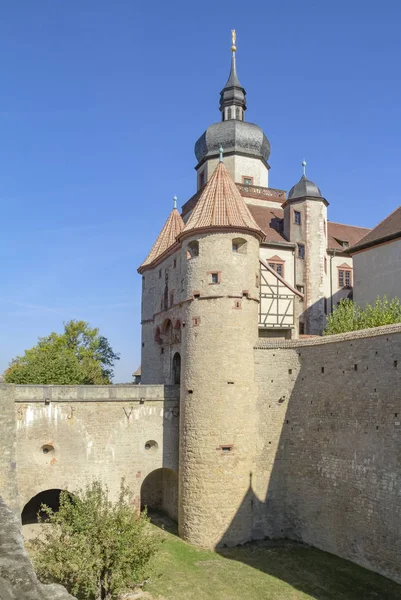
{"x": 304, "y": 188}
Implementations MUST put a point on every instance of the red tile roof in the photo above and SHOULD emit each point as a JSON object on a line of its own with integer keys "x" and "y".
{"x": 221, "y": 205}
{"x": 386, "y": 230}
{"x": 167, "y": 237}
{"x": 270, "y": 221}
{"x": 337, "y": 232}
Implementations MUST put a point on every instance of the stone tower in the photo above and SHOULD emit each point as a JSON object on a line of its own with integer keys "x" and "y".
{"x": 305, "y": 223}
{"x": 220, "y": 243}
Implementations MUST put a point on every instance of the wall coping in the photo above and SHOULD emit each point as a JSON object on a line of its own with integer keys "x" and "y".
{"x": 265, "y": 344}
{"x": 92, "y": 393}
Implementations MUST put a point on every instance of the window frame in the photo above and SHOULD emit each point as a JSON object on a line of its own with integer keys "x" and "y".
{"x": 297, "y": 215}
{"x": 301, "y": 253}
{"x": 343, "y": 274}
{"x": 245, "y": 179}
{"x": 277, "y": 263}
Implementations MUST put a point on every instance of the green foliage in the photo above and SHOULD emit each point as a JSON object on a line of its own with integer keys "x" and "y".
{"x": 78, "y": 356}
{"x": 350, "y": 317}
{"x": 92, "y": 546}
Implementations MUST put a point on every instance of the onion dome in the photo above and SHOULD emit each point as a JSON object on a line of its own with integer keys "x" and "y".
{"x": 166, "y": 239}
{"x": 221, "y": 206}
{"x": 235, "y": 136}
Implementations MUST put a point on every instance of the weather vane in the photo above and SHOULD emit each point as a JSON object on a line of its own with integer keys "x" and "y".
{"x": 233, "y": 39}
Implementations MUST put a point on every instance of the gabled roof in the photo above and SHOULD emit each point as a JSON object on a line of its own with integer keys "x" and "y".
{"x": 386, "y": 230}
{"x": 221, "y": 206}
{"x": 167, "y": 237}
{"x": 337, "y": 233}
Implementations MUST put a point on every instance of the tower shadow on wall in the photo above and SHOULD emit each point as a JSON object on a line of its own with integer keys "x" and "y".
{"x": 312, "y": 466}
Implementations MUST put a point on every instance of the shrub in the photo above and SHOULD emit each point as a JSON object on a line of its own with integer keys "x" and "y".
{"x": 94, "y": 547}
{"x": 347, "y": 316}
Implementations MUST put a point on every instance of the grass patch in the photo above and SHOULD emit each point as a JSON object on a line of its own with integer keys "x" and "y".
{"x": 279, "y": 570}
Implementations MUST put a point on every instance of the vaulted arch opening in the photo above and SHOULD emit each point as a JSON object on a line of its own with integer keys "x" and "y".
{"x": 32, "y": 508}
{"x": 159, "y": 492}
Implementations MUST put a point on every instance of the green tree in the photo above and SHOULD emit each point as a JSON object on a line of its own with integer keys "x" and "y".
{"x": 96, "y": 548}
{"x": 80, "y": 355}
{"x": 347, "y": 316}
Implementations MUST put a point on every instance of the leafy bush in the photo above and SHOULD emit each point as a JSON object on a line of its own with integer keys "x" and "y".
{"x": 94, "y": 547}
{"x": 347, "y": 316}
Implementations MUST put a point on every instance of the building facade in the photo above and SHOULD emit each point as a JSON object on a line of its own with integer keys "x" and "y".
{"x": 377, "y": 261}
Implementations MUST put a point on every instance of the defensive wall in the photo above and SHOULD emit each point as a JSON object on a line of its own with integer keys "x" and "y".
{"x": 328, "y": 465}
{"x": 62, "y": 437}
{"x": 324, "y": 457}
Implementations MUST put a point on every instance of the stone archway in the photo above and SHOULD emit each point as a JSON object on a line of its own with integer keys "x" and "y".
{"x": 159, "y": 492}
{"x": 176, "y": 369}
{"x": 31, "y": 509}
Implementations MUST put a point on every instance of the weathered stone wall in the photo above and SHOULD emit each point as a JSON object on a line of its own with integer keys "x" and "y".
{"x": 328, "y": 464}
{"x": 89, "y": 432}
{"x": 218, "y": 389}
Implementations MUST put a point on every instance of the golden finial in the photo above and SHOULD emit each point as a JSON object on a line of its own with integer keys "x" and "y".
{"x": 233, "y": 39}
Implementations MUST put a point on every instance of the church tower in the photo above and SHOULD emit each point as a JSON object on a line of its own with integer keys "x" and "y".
{"x": 246, "y": 148}
{"x": 220, "y": 243}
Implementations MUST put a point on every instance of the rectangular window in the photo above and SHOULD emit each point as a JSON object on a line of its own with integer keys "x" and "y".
{"x": 301, "y": 251}
{"x": 300, "y": 288}
{"x": 171, "y": 298}
{"x": 175, "y": 263}
{"x": 297, "y": 217}
{"x": 344, "y": 278}
{"x": 301, "y": 328}
{"x": 160, "y": 273}
{"x": 214, "y": 278}
{"x": 201, "y": 179}
{"x": 278, "y": 267}
{"x": 247, "y": 180}
{"x": 325, "y": 306}
{"x": 325, "y": 265}
{"x": 324, "y": 227}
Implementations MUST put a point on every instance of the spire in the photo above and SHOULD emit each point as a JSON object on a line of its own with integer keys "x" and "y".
{"x": 166, "y": 239}
{"x": 232, "y": 97}
{"x": 304, "y": 168}
{"x": 221, "y": 153}
{"x": 221, "y": 206}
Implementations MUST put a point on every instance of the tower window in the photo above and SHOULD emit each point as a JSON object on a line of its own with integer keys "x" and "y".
{"x": 192, "y": 249}
{"x": 301, "y": 251}
{"x": 229, "y": 113}
{"x": 201, "y": 179}
{"x": 214, "y": 277}
{"x": 237, "y": 113}
{"x": 297, "y": 217}
{"x": 160, "y": 273}
{"x": 239, "y": 246}
{"x": 247, "y": 180}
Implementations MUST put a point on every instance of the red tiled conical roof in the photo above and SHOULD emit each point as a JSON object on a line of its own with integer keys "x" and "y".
{"x": 167, "y": 237}
{"x": 221, "y": 206}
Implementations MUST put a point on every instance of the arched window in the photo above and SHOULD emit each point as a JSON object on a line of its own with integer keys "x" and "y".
{"x": 229, "y": 113}
{"x": 238, "y": 113}
{"x": 192, "y": 249}
{"x": 239, "y": 246}
{"x": 177, "y": 368}
{"x": 167, "y": 331}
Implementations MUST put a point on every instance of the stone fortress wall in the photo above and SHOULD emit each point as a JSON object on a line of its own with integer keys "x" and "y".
{"x": 322, "y": 464}
{"x": 328, "y": 465}
{"x": 62, "y": 437}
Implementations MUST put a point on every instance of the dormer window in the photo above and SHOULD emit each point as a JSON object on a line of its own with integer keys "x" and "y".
{"x": 343, "y": 243}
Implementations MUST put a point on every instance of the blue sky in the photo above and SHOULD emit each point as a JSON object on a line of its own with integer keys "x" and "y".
{"x": 101, "y": 104}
